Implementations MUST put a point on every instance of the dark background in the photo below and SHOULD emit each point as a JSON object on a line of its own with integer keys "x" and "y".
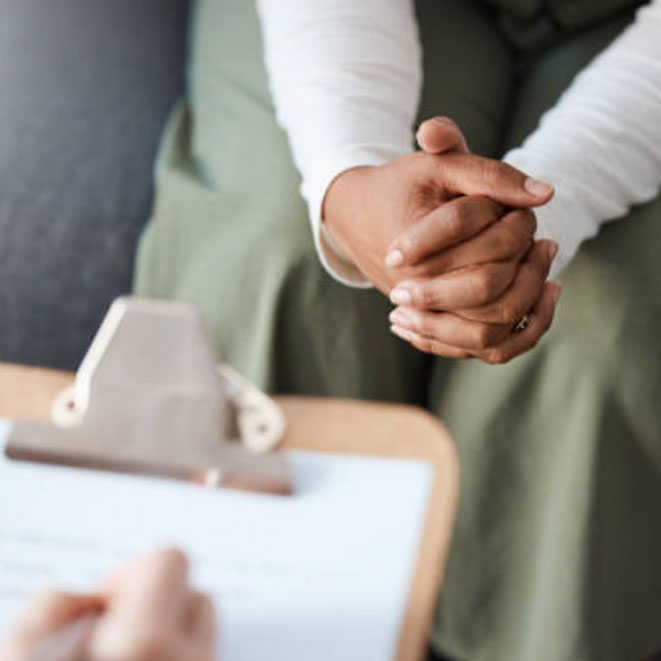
{"x": 85, "y": 89}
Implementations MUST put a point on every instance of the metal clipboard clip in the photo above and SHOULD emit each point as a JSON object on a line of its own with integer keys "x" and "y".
{"x": 149, "y": 398}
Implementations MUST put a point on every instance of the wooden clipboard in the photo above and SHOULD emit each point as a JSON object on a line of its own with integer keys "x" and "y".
{"x": 326, "y": 425}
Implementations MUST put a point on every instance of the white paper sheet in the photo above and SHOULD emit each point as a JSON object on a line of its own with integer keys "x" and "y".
{"x": 323, "y": 575}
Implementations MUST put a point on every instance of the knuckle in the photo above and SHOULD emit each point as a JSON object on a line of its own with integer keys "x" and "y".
{"x": 487, "y": 283}
{"x": 426, "y": 295}
{"x": 522, "y": 216}
{"x": 482, "y": 285}
{"x": 455, "y": 219}
{"x": 505, "y": 241}
{"x": 524, "y": 222}
{"x": 482, "y": 337}
{"x": 517, "y": 242}
{"x": 515, "y": 233}
{"x": 530, "y": 220}
{"x": 484, "y": 203}
{"x": 486, "y": 336}
{"x": 514, "y": 242}
{"x": 479, "y": 286}
{"x": 496, "y": 357}
{"x": 509, "y": 313}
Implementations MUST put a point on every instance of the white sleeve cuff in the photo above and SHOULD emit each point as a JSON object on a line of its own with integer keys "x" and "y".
{"x": 550, "y": 227}
{"x": 338, "y": 264}
{"x": 563, "y": 219}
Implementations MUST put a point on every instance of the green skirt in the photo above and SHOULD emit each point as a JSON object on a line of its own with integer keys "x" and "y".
{"x": 557, "y": 546}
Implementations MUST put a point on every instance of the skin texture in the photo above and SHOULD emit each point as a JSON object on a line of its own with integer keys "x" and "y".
{"x": 146, "y": 611}
{"x": 448, "y": 236}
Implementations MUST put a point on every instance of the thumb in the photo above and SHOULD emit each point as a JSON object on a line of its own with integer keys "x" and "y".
{"x": 439, "y": 135}
{"x": 467, "y": 174}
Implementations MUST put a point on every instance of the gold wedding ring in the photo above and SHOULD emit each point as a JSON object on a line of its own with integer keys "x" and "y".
{"x": 521, "y": 325}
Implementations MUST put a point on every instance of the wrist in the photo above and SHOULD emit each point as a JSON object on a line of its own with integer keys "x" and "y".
{"x": 342, "y": 200}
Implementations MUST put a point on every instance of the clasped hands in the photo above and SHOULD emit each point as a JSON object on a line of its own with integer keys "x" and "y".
{"x": 449, "y": 237}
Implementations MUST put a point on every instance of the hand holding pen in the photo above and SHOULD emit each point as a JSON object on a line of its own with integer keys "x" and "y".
{"x": 146, "y": 611}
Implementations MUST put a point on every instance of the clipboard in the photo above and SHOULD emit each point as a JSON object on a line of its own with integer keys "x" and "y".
{"x": 335, "y": 426}
{"x": 326, "y": 425}
{"x": 150, "y": 398}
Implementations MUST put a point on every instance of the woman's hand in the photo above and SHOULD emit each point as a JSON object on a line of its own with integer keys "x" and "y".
{"x": 434, "y": 319}
{"x": 467, "y": 231}
{"x": 489, "y": 281}
{"x": 146, "y": 611}
{"x": 366, "y": 210}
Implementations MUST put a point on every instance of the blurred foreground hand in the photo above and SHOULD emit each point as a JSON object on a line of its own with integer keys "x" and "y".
{"x": 146, "y": 611}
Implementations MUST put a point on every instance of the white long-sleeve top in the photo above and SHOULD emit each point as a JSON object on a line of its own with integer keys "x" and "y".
{"x": 346, "y": 78}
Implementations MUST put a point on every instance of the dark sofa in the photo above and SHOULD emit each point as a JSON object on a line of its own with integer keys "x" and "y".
{"x": 85, "y": 88}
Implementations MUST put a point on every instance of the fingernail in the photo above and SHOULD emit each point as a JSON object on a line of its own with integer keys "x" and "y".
{"x": 394, "y": 258}
{"x": 553, "y": 250}
{"x": 400, "y": 318}
{"x": 557, "y": 290}
{"x": 401, "y": 296}
{"x": 537, "y": 188}
{"x": 403, "y": 333}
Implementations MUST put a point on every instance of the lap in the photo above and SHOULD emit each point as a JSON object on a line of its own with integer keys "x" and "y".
{"x": 557, "y": 534}
{"x": 556, "y": 538}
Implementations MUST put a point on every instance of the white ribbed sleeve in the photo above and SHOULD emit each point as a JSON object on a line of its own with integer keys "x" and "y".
{"x": 601, "y": 144}
{"x": 346, "y": 78}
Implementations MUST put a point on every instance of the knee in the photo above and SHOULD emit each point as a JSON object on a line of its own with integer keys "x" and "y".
{"x": 611, "y": 304}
